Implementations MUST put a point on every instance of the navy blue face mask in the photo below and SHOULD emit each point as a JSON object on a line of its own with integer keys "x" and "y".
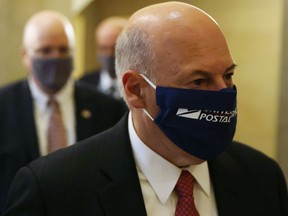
{"x": 200, "y": 122}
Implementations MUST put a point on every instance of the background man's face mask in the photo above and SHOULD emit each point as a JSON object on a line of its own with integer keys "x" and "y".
{"x": 52, "y": 73}
{"x": 108, "y": 63}
{"x": 200, "y": 122}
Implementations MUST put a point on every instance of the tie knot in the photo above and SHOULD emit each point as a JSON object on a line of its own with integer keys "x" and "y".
{"x": 52, "y": 103}
{"x": 185, "y": 184}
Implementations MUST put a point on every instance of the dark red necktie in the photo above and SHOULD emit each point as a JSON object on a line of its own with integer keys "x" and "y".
{"x": 184, "y": 188}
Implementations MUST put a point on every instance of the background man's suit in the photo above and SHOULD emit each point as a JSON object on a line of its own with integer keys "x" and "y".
{"x": 92, "y": 78}
{"x": 18, "y": 138}
{"x": 98, "y": 177}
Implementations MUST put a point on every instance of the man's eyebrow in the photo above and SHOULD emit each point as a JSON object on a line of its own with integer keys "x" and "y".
{"x": 205, "y": 73}
{"x": 232, "y": 67}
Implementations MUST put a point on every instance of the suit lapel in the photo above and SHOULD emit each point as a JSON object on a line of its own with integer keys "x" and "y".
{"x": 84, "y": 114}
{"x": 84, "y": 118}
{"x": 220, "y": 170}
{"x": 27, "y": 121}
{"x": 230, "y": 185}
{"x": 122, "y": 196}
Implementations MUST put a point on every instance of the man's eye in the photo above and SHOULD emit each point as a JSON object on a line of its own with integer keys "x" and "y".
{"x": 44, "y": 51}
{"x": 198, "y": 82}
{"x": 64, "y": 50}
{"x": 228, "y": 76}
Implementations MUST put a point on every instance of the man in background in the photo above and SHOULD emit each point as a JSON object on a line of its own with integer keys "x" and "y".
{"x": 173, "y": 154}
{"x": 48, "y": 111}
{"x": 106, "y": 34}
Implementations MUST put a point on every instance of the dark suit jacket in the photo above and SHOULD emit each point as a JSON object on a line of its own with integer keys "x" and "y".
{"x": 92, "y": 78}
{"x": 18, "y": 138}
{"x": 98, "y": 177}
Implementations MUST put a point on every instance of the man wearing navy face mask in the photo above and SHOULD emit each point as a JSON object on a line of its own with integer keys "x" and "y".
{"x": 173, "y": 153}
{"x": 106, "y": 34}
{"x": 48, "y": 111}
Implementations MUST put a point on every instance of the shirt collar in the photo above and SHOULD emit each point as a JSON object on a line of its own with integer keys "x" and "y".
{"x": 41, "y": 98}
{"x": 106, "y": 81}
{"x": 160, "y": 173}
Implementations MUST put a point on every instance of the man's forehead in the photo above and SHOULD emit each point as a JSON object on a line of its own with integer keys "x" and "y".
{"x": 169, "y": 11}
{"x": 47, "y": 24}
{"x": 174, "y": 25}
{"x": 46, "y": 35}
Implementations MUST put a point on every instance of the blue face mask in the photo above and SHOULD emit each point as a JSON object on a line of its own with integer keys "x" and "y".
{"x": 200, "y": 122}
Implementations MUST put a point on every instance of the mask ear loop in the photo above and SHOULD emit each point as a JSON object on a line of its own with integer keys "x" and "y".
{"x": 146, "y": 112}
{"x": 148, "y": 81}
{"x": 153, "y": 86}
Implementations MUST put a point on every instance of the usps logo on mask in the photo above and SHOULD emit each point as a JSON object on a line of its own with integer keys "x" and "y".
{"x": 207, "y": 115}
{"x": 186, "y": 113}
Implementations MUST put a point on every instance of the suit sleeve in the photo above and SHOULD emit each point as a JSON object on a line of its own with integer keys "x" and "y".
{"x": 283, "y": 193}
{"x": 24, "y": 196}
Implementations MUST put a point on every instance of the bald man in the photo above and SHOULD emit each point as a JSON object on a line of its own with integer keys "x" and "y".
{"x": 48, "y": 50}
{"x": 173, "y": 153}
{"x": 106, "y": 34}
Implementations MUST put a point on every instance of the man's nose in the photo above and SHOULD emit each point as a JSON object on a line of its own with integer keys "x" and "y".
{"x": 219, "y": 84}
{"x": 57, "y": 53}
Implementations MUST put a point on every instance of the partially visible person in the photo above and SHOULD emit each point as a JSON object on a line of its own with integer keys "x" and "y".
{"x": 28, "y": 106}
{"x": 174, "y": 153}
{"x": 106, "y": 34}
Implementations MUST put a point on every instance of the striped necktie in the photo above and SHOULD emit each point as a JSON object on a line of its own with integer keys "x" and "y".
{"x": 57, "y": 135}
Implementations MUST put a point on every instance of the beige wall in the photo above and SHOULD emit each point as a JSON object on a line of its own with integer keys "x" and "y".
{"x": 253, "y": 29}
{"x": 283, "y": 115}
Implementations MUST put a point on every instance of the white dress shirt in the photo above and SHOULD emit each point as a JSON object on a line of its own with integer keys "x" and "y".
{"x": 158, "y": 178}
{"x": 106, "y": 83}
{"x": 65, "y": 99}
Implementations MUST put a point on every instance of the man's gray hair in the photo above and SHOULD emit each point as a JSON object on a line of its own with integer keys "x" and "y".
{"x": 134, "y": 52}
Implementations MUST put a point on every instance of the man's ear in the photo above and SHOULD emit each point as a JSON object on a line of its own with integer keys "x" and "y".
{"x": 133, "y": 85}
{"x": 25, "y": 58}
